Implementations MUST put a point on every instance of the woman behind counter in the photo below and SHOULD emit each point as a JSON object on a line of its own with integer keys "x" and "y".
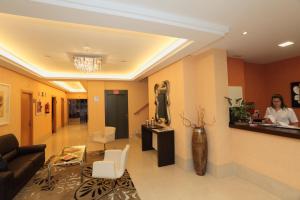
{"x": 279, "y": 113}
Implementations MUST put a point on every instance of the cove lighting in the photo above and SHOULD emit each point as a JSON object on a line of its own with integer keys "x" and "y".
{"x": 285, "y": 44}
{"x": 159, "y": 56}
{"x": 78, "y": 86}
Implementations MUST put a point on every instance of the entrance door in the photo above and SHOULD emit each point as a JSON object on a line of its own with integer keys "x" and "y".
{"x": 116, "y": 111}
{"x": 53, "y": 106}
{"x": 26, "y": 119}
{"x": 62, "y": 112}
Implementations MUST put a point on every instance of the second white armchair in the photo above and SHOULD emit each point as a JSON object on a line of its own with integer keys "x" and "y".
{"x": 113, "y": 166}
{"x": 106, "y": 137}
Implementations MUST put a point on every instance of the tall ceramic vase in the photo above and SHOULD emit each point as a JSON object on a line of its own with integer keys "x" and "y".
{"x": 199, "y": 149}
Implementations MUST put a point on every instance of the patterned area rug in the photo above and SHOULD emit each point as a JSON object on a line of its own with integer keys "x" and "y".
{"x": 65, "y": 185}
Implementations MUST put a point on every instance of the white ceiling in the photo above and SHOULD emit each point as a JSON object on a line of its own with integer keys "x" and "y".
{"x": 268, "y": 22}
{"x": 215, "y": 23}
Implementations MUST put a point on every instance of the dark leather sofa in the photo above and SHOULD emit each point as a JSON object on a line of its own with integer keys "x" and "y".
{"x": 18, "y": 165}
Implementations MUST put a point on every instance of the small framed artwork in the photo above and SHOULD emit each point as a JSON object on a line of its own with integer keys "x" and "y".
{"x": 38, "y": 107}
{"x": 4, "y": 103}
{"x": 295, "y": 94}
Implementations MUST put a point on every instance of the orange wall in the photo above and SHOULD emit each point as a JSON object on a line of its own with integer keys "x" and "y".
{"x": 279, "y": 75}
{"x": 259, "y": 81}
{"x": 77, "y": 95}
{"x": 236, "y": 72}
{"x": 42, "y": 128}
{"x": 255, "y": 86}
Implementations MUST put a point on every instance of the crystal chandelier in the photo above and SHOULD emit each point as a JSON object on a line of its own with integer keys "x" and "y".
{"x": 88, "y": 63}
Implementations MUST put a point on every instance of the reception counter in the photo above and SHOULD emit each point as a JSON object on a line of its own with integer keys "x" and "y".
{"x": 269, "y": 157}
{"x": 285, "y": 132}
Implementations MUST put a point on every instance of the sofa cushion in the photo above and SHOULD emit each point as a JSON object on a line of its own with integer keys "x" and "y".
{"x": 10, "y": 155}
{"x": 3, "y": 164}
{"x": 21, "y": 171}
{"x": 34, "y": 159}
{"x": 8, "y": 143}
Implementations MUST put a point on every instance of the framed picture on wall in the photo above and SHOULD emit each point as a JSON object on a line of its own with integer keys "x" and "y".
{"x": 295, "y": 94}
{"x": 38, "y": 107}
{"x": 4, "y": 103}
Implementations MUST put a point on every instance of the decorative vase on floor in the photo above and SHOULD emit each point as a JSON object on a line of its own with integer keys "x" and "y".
{"x": 199, "y": 149}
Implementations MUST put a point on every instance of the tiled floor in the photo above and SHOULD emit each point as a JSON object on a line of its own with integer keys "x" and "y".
{"x": 163, "y": 183}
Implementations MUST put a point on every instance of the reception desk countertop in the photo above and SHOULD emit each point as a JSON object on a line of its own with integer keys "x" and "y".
{"x": 279, "y": 131}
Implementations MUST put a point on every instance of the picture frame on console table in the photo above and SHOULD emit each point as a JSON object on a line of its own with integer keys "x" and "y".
{"x": 4, "y": 104}
{"x": 295, "y": 94}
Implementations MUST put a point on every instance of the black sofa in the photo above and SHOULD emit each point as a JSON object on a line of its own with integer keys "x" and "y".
{"x": 17, "y": 165}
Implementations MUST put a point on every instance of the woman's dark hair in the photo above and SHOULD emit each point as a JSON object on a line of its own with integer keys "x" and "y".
{"x": 280, "y": 97}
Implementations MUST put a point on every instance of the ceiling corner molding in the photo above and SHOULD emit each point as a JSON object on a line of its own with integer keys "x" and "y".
{"x": 139, "y": 13}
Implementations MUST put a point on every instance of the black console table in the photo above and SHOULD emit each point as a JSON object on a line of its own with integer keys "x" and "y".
{"x": 165, "y": 144}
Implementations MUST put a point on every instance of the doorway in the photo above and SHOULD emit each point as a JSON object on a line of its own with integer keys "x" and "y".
{"x": 62, "y": 112}
{"x": 53, "y": 111}
{"x": 116, "y": 111}
{"x": 77, "y": 110}
{"x": 26, "y": 119}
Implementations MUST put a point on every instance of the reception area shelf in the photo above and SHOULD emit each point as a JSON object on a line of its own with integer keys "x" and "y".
{"x": 271, "y": 130}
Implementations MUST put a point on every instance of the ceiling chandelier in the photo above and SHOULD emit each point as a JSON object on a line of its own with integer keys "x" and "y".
{"x": 88, "y": 63}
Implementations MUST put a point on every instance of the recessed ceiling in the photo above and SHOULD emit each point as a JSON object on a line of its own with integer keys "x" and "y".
{"x": 50, "y": 45}
{"x": 42, "y": 36}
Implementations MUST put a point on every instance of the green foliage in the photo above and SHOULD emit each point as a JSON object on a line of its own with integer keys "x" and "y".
{"x": 239, "y": 111}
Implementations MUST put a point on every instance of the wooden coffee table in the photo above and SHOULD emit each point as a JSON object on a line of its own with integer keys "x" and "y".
{"x": 79, "y": 154}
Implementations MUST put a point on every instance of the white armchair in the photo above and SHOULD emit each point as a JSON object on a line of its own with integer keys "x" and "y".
{"x": 108, "y": 136}
{"x": 113, "y": 166}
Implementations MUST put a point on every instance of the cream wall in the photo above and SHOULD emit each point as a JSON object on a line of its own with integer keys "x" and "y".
{"x": 211, "y": 81}
{"x": 96, "y": 106}
{"x": 195, "y": 81}
{"x": 42, "y": 127}
{"x": 174, "y": 74}
{"x": 137, "y": 98}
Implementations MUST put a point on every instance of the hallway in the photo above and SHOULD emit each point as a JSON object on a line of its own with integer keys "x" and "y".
{"x": 153, "y": 183}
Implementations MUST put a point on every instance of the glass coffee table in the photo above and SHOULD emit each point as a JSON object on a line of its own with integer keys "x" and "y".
{"x": 69, "y": 156}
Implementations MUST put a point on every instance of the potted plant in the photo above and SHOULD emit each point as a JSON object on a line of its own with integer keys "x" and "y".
{"x": 199, "y": 142}
{"x": 240, "y": 111}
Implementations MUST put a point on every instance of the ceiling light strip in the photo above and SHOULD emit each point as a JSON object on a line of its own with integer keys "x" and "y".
{"x": 68, "y": 88}
{"x": 20, "y": 62}
{"x": 167, "y": 51}
{"x": 160, "y": 56}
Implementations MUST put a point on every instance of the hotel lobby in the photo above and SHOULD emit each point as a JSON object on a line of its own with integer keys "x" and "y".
{"x": 149, "y": 100}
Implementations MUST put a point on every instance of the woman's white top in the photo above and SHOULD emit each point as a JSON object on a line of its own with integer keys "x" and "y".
{"x": 285, "y": 115}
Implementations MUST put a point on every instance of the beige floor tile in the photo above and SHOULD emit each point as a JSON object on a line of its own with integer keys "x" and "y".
{"x": 154, "y": 183}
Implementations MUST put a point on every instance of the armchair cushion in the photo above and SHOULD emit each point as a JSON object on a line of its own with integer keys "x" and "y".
{"x": 32, "y": 149}
{"x": 113, "y": 155}
{"x": 104, "y": 169}
{"x": 3, "y": 164}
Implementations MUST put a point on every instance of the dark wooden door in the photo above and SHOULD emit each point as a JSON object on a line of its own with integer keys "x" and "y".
{"x": 116, "y": 111}
{"x": 53, "y": 105}
{"x": 62, "y": 112}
